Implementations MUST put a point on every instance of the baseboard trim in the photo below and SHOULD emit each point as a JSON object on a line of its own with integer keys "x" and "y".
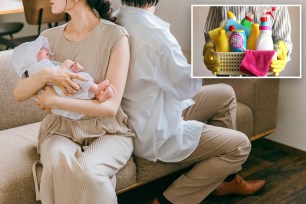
{"x": 135, "y": 185}
{"x": 286, "y": 148}
{"x": 255, "y": 137}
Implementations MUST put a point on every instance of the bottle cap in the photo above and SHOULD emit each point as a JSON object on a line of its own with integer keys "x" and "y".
{"x": 231, "y": 28}
{"x": 231, "y": 15}
{"x": 249, "y": 17}
{"x": 263, "y": 19}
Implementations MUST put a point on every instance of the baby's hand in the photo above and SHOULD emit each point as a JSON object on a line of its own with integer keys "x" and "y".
{"x": 76, "y": 68}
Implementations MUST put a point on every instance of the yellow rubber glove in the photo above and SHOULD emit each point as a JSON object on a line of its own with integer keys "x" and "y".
{"x": 278, "y": 65}
{"x": 210, "y": 59}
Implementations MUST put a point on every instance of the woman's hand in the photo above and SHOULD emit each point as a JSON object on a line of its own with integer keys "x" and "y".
{"x": 63, "y": 79}
{"x": 46, "y": 99}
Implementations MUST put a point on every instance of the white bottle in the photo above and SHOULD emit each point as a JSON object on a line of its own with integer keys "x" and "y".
{"x": 264, "y": 40}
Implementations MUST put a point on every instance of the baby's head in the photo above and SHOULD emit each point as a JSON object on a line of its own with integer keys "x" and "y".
{"x": 43, "y": 53}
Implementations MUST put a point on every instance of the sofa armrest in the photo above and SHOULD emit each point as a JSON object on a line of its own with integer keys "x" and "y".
{"x": 13, "y": 114}
{"x": 261, "y": 95}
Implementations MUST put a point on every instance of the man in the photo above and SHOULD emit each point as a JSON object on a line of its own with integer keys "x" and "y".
{"x": 158, "y": 90}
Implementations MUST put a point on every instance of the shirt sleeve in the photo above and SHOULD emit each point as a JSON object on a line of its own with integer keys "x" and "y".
{"x": 281, "y": 29}
{"x": 213, "y": 20}
{"x": 174, "y": 73}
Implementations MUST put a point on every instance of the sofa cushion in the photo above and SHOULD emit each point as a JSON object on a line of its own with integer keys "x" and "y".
{"x": 244, "y": 119}
{"x": 18, "y": 154}
{"x": 13, "y": 114}
{"x": 148, "y": 171}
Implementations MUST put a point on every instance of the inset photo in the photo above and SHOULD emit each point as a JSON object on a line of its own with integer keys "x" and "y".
{"x": 248, "y": 41}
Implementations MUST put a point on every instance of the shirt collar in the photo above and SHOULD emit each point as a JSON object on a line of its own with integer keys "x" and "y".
{"x": 146, "y": 14}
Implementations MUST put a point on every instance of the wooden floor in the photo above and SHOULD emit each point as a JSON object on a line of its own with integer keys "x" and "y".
{"x": 284, "y": 172}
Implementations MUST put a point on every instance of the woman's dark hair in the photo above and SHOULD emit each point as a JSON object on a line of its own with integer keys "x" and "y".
{"x": 139, "y": 3}
{"x": 103, "y": 7}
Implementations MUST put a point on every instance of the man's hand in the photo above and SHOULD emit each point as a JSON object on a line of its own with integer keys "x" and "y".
{"x": 278, "y": 65}
{"x": 210, "y": 59}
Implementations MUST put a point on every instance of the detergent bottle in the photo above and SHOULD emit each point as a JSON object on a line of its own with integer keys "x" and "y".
{"x": 238, "y": 41}
{"x": 247, "y": 21}
{"x": 251, "y": 41}
{"x": 222, "y": 42}
{"x": 264, "y": 40}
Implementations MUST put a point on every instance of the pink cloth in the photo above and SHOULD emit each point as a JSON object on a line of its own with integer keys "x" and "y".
{"x": 256, "y": 62}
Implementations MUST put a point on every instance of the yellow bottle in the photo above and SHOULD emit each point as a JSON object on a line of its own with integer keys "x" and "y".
{"x": 251, "y": 42}
{"x": 222, "y": 42}
{"x": 213, "y": 34}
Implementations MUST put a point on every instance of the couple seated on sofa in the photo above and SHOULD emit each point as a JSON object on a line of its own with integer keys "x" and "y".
{"x": 83, "y": 155}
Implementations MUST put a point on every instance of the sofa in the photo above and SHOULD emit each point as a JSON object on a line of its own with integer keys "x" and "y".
{"x": 19, "y": 124}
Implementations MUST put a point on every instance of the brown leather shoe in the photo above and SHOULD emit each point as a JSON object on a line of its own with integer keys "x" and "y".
{"x": 239, "y": 186}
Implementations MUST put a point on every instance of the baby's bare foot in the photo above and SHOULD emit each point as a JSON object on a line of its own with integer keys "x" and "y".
{"x": 106, "y": 94}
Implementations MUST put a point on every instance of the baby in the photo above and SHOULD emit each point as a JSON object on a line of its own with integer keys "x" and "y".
{"x": 28, "y": 58}
{"x": 102, "y": 91}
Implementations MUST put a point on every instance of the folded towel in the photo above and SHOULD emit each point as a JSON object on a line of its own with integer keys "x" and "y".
{"x": 256, "y": 62}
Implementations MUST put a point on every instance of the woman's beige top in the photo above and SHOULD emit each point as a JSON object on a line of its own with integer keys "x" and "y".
{"x": 93, "y": 53}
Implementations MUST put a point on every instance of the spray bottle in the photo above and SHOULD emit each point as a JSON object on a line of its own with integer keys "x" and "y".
{"x": 264, "y": 40}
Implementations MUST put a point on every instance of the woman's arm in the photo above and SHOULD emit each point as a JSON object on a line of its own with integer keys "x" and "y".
{"x": 116, "y": 74}
{"x": 28, "y": 87}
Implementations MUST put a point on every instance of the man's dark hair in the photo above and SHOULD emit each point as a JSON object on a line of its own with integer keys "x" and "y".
{"x": 139, "y": 3}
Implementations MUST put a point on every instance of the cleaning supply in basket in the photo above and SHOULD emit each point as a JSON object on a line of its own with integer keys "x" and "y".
{"x": 237, "y": 26}
{"x": 264, "y": 40}
{"x": 229, "y": 32}
{"x": 214, "y": 33}
{"x": 222, "y": 42}
{"x": 230, "y": 16}
{"x": 238, "y": 41}
{"x": 256, "y": 63}
{"x": 247, "y": 21}
{"x": 252, "y": 40}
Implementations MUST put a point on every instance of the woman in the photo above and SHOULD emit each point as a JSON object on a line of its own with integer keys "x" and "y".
{"x": 81, "y": 157}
